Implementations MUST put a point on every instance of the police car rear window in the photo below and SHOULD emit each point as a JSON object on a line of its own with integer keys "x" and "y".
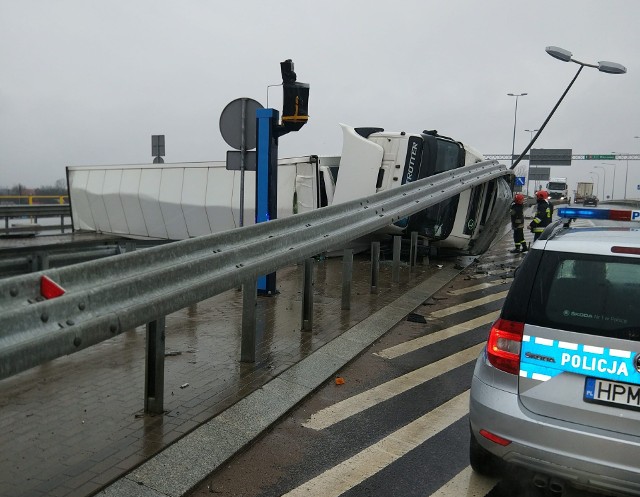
{"x": 597, "y": 295}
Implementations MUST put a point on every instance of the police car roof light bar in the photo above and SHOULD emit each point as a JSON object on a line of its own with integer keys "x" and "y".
{"x": 606, "y": 214}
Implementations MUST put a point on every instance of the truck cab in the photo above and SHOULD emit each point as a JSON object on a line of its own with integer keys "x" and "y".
{"x": 558, "y": 189}
{"x": 375, "y": 160}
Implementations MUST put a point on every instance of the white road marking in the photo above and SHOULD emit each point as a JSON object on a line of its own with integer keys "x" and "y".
{"x": 467, "y": 483}
{"x": 475, "y": 288}
{"x": 468, "y": 305}
{"x": 358, "y": 403}
{"x": 420, "y": 342}
{"x": 346, "y": 475}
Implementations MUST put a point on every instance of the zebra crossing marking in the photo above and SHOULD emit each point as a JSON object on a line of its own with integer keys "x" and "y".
{"x": 475, "y": 288}
{"x": 346, "y": 475}
{"x": 467, "y": 483}
{"x": 420, "y": 342}
{"x": 468, "y": 305}
{"x": 369, "y": 398}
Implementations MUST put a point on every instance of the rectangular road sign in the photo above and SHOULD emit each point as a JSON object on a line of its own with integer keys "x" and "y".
{"x": 157, "y": 145}
{"x": 550, "y": 157}
{"x": 600, "y": 157}
{"x": 234, "y": 158}
{"x": 539, "y": 173}
{"x": 520, "y": 181}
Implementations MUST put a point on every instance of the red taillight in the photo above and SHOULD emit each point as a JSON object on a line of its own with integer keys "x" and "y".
{"x": 625, "y": 250}
{"x": 503, "y": 347}
{"x": 495, "y": 438}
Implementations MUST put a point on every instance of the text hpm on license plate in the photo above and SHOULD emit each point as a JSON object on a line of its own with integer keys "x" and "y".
{"x": 611, "y": 392}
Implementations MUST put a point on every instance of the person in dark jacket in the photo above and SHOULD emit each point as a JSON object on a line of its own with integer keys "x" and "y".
{"x": 517, "y": 223}
{"x": 544, "y": 212}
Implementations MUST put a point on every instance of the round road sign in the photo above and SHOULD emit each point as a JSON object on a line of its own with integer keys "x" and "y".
{"x": 231, "y": 123}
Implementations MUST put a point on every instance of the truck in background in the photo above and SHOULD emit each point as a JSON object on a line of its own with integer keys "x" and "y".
{"x": 583, "y": 190}
{"x": 558, "y": 189}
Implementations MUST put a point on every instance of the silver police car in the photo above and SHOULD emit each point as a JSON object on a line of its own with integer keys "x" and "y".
{"x": 557, "y": 388}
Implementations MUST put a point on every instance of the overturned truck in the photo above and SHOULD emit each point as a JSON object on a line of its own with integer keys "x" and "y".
{"x": 183, "y": 200}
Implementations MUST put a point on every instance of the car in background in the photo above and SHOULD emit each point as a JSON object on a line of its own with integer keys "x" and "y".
{"x": 556, "y": 390}
{"x": 590, "y": 200}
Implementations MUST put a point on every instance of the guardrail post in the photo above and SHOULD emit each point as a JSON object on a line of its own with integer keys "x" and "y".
{"x": 425, "y": 258}
{"x": 395, "y": 271}
{"x": 375, "y": 266}
{"x": 62, "y": 223}
{"x": 34, "y": 262}
{"x": 413, "y": 253}
{"x": 249, "y": 341}
{"x": 154, "y": 368}
{"x": 43, "y": 261}
{"x": 347, "y": 277}
{"x": 307, "y": 295}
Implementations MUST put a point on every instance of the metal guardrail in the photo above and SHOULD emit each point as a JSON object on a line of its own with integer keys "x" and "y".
{"x": 36, "y": 260}
{"x": 33, "y": 199}
{"x": 108, "y": 296}
{"x": 40, "y": 210}
{"x": 563, "y": 157}
{"x": 34, "y": 212}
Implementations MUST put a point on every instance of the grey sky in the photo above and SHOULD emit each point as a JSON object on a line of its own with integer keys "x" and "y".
{"x": 88, "y": 82}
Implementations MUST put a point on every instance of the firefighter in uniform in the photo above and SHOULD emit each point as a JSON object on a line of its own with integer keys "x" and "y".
{"x": 517, "y": 223}
{"x": 542, "y": 218}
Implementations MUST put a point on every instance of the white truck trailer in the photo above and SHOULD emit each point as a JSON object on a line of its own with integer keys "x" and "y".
{"x": 583, "y": 190}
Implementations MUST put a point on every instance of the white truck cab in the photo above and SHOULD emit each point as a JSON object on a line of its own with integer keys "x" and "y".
{"x": 558, "y": 189}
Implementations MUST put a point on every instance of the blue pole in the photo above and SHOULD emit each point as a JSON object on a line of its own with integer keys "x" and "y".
{"x": 267, "y": 181}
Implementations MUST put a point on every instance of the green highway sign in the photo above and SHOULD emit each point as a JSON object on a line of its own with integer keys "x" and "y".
{"x": 600, "y": 157}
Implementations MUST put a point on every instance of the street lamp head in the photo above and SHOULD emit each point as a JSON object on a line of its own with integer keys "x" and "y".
{"x": 611, "y": 67}
{"x": 566, "y": 56}
{"x": 602, "y": 66}
{"x": 559, "y": 53}
{"x": 517, "y": 94}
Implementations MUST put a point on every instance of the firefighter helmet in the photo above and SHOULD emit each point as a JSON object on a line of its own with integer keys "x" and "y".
{"x": 542, "y": 194}
{"x": 519, "y": 198}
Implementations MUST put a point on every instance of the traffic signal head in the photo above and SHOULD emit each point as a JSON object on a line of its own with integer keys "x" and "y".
{"x": 295, "y": 98}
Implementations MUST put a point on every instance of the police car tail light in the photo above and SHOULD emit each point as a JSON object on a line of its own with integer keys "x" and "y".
{"x": 495, "y": 438}
{"x": 503, "y": 346}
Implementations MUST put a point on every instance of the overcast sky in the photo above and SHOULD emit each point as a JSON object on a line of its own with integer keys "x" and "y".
{"x": 84, "y": 82}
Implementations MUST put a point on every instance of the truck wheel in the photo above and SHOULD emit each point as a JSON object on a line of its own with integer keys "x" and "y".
{"x": 482, "y": 461}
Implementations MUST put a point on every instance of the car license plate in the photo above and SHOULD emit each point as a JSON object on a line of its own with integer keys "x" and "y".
{"x": 612, "y": 393}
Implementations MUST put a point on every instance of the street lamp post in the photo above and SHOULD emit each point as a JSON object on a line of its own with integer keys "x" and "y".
{"x": 596, "y": 181}
{"x": 613, "y": 188}
{"x": 531, "y": 132}
{"x": 604, "y": 182}
{"x": 626, "y": 176}
{"x": 271, "y": 86}
{"x": 515, "y": 120}
{"x": 566, "y": 56}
